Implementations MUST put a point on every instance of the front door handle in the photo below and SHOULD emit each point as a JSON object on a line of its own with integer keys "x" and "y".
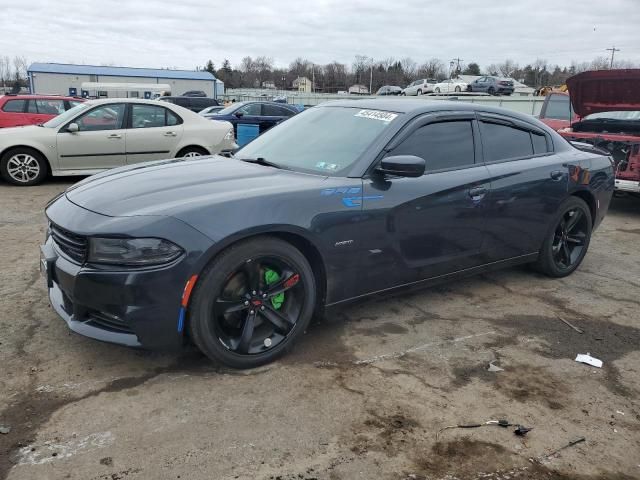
{"x": 114, "y": 135}
{"x": 170, "y": 134}
{"x": 477, "y": 192}
{"x": 556, "y": 175}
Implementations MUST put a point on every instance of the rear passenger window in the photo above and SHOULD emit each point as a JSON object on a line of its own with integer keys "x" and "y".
{"x": 14, "y": 106}
{"x": 442, "y": 145}
{"x": 172, "y": 119}
{"x": 501, "y": 142}
{"x": 539, "y": 143}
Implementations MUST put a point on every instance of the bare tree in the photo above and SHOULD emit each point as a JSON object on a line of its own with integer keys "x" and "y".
{"x": 432, "y": 68}
{"x": 508, "y": 68}
{"x": 5, "y": 71}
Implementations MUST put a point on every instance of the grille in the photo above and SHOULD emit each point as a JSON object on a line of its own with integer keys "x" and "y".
{"x": 71, "y": 244}
{"x": 107, "y": 322}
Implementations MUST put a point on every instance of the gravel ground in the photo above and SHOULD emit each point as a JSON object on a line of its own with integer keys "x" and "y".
{"x": 363, "y": 395}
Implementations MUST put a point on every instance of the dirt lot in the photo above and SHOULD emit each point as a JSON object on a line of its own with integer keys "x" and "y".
{"x": 362, "y": 396}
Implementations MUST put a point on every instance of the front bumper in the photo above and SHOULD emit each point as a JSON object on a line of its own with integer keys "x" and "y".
{"x": 632, "y": 186}
{"x": 131, "y": 307}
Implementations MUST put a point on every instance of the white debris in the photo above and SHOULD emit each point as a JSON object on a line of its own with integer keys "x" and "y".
{"x": 494, "y": 368}
{"x": 50, "y": 451}
{"x": 589, "y": 360}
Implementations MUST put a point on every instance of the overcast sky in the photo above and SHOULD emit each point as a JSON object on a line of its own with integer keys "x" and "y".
{"x": 185, "y": 33}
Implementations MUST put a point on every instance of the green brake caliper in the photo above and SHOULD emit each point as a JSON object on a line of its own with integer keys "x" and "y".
{"x": 271, "y": 276}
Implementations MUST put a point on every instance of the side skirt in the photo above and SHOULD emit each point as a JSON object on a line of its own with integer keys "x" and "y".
{"x": 429, "y": 282}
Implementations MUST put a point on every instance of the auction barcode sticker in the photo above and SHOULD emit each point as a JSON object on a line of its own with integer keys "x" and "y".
{"x": 377, "y": 115}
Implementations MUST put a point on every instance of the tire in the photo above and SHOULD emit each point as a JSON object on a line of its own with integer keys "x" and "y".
{"x": 437, "y": 90}
{"x": 491, "y": 91}
{"x": 402, "y": 94}
{"x": 567, "y": 238}
{"x": 24, "y": 167}
{"x": 419, "y": 92}
{"x": 192, "y": 152}
{"x": 458, "y": 89}
{"x": 219, "y": 332}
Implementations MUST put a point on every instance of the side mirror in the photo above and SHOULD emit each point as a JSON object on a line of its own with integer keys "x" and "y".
{"x": 402, "y": 166}
{"x": 73, "y": 128}
{"x": 239, "y": 114}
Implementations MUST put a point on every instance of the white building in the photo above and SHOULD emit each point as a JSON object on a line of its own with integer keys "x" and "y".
{"x": 303, "y": 84}
{"x": 66, "y": 79}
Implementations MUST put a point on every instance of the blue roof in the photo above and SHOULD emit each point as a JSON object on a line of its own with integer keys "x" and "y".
{"x": 119, "y": 71}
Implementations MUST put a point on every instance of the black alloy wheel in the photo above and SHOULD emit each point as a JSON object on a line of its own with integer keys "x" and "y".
{"x": 568, "y": 241}
{"x": 491, "y": 91}
{"x": 569, "y": 238}
{"x": 252, "y": 302}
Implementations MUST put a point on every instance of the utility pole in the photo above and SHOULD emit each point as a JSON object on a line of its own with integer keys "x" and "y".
{"x": 613, "y": 51}
{"x": 457, "y": 61}
{"x": 370, "y": 78}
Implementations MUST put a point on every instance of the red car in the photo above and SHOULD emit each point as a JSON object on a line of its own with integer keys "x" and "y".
{"x": 19, "y": 110}
{"x": 607, "y": 115}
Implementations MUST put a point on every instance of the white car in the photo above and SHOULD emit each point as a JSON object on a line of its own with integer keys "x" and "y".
{"x": 102, "y": 134}
{"x": 419, "y": 87}
{"x": 450, "y": 86}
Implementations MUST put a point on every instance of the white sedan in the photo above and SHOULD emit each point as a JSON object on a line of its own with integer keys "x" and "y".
{"x": 102, "y": 134}
{"x": 450, "y": 86}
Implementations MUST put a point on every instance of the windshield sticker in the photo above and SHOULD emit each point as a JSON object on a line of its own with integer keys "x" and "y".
{"x": 376, "y": 115}
{"x": 332, "y": 167}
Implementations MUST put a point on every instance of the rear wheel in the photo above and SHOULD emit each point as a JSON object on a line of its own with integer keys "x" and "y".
{"x": 491, "y": 91}
{"x": 568, "y": 240}
{"x": 437, "y": 90}
{"x": 419, "y": 92}
{"x": 458, "y": 89}
{"x": 191, "y": 152}
{"x": 23, "y": 166}
{"x": 252, "y": 303}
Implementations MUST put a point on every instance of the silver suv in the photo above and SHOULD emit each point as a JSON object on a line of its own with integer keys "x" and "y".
{"x": 420, "y": 87}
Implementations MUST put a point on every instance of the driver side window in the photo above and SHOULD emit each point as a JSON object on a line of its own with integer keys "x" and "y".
{"x": 442, "y": 145}
{"x": 251, "y": 109}
{"x": 105, "y": 117}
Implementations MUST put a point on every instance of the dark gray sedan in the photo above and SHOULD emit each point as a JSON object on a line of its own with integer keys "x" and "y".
{"x": 492, "y": 86}
{"x": 346, "y": 200}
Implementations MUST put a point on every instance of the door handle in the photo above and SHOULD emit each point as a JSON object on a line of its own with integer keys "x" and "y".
{"x": 556, "y": 175}
{"x": 114, "y": 135}
{"x": 170, "y": 134}
{"x": 477, "y": 192}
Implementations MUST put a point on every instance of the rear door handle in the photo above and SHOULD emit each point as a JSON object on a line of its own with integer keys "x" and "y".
{"x": 114, "y": 135}
{"x": 477, "y": 192}
{"x": 170, "y": 134}
{"x": 556, "y": 175}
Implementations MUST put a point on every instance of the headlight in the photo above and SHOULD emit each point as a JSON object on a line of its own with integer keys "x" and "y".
{"x": 229, "y": 135}
{"x": 132, "y": 251}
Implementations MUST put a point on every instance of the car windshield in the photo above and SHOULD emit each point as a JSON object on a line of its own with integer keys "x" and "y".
{"x": 61, "y": 119}
{"x": 321, "y": 140}
{"x": 615, "y": 115}
{"x": 230, "y": 109}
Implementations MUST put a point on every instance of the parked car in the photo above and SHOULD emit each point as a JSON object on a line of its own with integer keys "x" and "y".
{"x": 211, "y": 110}
{"x": 419, "y": 87}
{"x": 18, "y": 110}
{"x": 102, "y": 134}
{"x": 607, "y": 104}
{"x": 264, "y": 114}
{"x": 491, "y": 85}
{"x": 195, "y": 104}
{"x": 450, "y": 86}
{"x": 389, "y": 90}
{"x": 194, "y": 93}
{"x": 349, "y": 199}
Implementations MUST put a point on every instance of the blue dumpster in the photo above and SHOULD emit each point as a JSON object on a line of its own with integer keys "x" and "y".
{"x": 246, "y": 133}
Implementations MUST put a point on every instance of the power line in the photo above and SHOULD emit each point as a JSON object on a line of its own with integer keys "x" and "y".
{"x": 613, "y": 52}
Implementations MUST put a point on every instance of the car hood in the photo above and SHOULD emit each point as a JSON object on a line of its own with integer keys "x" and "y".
{"x": 29, "y": 130}
{"x": 604, "y": 91}
{"x": 170, "y": 187}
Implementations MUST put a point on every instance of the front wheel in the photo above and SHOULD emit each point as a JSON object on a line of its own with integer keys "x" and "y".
{"x": 252, "y": 303}
{"x": 567, "y": 241}
{"x": 437, "y": 90}
{"x": 458, "y": 89}
{"x": 419, "y": 92}
{"x": 23, "y": 166}
{"x": 192, "y": 152}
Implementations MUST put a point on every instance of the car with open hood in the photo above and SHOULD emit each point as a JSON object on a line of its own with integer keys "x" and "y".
{"x": 607, "y": 115}
{"x": 346, "y": 200}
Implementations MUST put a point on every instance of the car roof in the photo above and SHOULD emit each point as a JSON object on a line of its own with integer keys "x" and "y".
{"x": 123, "y": 100}
{"x": 21, "y": 96}
{"x": 266, "y": 102}
{"x": 419, "y": 106}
